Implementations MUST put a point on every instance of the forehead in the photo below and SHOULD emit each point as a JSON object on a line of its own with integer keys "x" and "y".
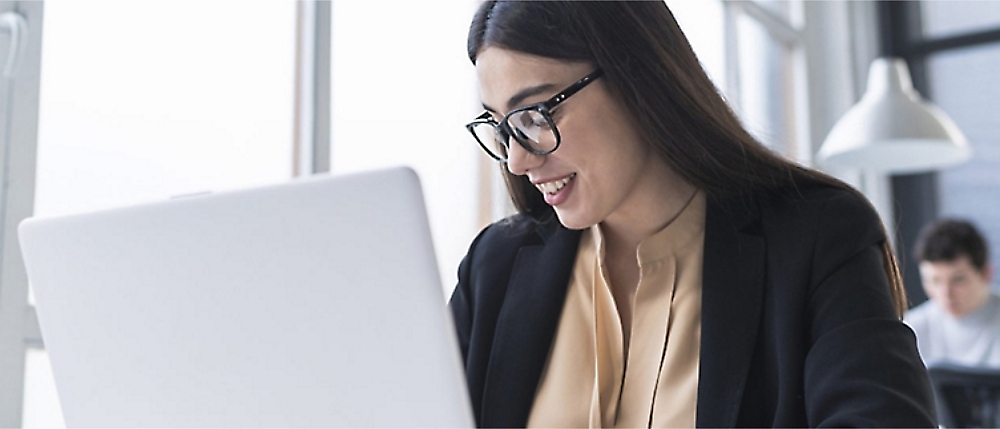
{"x": 503, "y": 73}
{"x": 960, "y": 265}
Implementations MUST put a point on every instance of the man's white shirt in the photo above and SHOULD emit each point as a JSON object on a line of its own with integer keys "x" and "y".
{"x": 972, "y": 340}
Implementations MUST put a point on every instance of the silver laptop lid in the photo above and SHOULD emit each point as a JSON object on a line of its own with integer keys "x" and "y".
{"x": 315, "y": 303}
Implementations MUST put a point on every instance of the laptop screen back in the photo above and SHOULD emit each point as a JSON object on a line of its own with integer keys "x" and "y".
{"x": 315, "y": 303}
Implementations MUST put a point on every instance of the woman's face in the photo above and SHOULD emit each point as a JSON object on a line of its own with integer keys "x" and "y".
{"x": 597, "y": 171}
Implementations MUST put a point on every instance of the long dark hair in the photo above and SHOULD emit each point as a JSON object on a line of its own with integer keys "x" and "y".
{"x": 649, "y": 65}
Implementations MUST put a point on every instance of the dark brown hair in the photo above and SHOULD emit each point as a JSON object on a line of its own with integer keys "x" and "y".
{"x": 650, "y": 67}
{"x": 946, "y": 240}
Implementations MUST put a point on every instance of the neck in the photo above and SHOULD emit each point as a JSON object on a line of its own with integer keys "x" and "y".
{"x": 653, "y": 205}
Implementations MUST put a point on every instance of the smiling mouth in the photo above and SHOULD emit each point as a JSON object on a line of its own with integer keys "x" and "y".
{"x": 554, "y": 186}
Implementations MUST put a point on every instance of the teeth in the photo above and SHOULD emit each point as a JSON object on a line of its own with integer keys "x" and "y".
{"x": 554, "y": 186}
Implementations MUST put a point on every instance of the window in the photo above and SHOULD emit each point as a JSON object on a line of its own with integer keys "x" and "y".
{"x": 952, "y": 54}
{"x": 765, "y": 66}
{"x": 19, "y": 66}
{"x": 962, "y": 83}
{"x": 403, "y": 97}
{"x": 766, "y": 57}
{"x": 703, "y": 24}
{"x": 941, "y": 18}
{"x": 178, "y": 106}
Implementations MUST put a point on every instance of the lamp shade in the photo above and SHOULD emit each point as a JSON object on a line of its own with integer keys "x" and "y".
{"x": 892, "y": 129}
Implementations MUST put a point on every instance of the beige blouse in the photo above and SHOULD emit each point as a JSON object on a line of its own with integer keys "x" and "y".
{"x": 589, "y": 380}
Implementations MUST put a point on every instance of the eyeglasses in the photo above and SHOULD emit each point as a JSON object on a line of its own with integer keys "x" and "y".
{"x": 532, "y": 126}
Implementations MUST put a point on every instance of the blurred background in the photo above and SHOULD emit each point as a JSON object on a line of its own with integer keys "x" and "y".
{"x": 112, "y": 103}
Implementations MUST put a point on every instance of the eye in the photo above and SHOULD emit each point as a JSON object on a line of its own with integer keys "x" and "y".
{"x": 530, "y": 119}
{"x": 556, "y": 114}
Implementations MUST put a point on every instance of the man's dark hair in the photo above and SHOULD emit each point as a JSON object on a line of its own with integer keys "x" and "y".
{"x": 947, "y": 240}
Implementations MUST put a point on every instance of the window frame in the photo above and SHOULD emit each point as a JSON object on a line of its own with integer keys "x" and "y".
{"x": 790, "y": 33}
{"x": 18, "y": 324}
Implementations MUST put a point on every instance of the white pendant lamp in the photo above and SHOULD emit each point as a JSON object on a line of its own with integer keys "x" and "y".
{"x": 892, "y": 129}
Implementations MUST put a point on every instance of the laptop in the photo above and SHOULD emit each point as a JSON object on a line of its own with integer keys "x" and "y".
{"x": 315, "y": 303}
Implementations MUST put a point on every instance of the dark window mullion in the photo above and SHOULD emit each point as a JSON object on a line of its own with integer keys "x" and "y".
{"x": 929, "y": 46}
{"x": 915, "y": 196}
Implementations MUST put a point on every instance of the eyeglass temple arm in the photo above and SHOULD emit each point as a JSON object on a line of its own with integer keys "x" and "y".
{"x": 573, "y": 89}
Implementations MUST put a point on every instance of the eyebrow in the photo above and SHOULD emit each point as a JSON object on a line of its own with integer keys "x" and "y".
{"x": 523, "y": 94}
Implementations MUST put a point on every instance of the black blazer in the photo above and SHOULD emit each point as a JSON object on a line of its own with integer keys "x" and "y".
{"x": 798, "y": 328}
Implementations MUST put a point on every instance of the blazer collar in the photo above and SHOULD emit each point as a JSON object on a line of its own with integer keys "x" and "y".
{"x": 527, "y": 324}
{"x": 732, "y": 296}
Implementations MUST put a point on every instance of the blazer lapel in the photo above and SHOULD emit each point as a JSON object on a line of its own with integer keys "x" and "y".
{"x": 526, "y": 326}
{"x": 732, "y": 296}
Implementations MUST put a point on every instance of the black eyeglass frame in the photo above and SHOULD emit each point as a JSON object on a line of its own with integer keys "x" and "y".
{"x": 544, "y": 108}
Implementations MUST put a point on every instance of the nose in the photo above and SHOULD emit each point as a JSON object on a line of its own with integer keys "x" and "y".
{"x": 950, "y": 292}
{"x": 520, "y": 161}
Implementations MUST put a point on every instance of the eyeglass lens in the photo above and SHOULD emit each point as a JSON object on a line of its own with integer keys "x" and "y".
{"x": 530, "y": 127}
{"x": 491, "y": 140}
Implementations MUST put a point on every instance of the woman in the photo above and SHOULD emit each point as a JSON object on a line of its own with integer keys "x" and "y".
{"x": 664, "y": 269}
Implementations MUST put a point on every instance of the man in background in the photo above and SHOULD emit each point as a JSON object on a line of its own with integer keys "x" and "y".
{"x": 960, "y": 324}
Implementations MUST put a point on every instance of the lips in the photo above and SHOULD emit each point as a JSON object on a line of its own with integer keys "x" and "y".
{"x": 553, "y": 187}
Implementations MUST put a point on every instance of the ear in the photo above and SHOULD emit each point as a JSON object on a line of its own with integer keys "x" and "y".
{"x": 988, "y": 272}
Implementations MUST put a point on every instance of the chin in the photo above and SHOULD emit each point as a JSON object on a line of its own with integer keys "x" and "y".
{"x": 572, "y": 220}
{"x": 957, "y": 312}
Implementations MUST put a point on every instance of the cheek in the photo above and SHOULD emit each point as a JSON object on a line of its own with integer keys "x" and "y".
{"x": 935, "y": 290}
{"x": 932, "y": 291}
{"x": 607, "y": 146}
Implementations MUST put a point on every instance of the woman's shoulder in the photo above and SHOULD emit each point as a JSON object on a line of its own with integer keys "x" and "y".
{"x": 500, "y": 240}
{"x": 817, "y": 196}
{"x": 511, "y": 230}
{"x": 822, "y": 205}
{"x": 497, "y": 246}
{"x": 485, "y": 271}
{"x": 827, "y": 224}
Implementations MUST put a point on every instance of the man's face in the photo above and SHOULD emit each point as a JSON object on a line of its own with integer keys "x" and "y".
{"x": 957, "y": 286}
